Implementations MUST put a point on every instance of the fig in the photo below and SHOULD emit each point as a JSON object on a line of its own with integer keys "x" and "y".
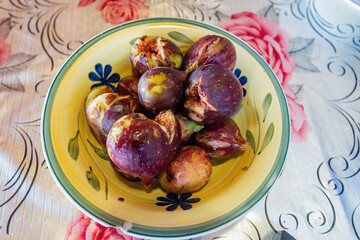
{"x": 188, "y": 127}
{"x": 96, "y": 92}
{"x": 168, "y": 120}
{"x": 210, "y": 49}
{"x": 161, "y": 88}
{"x": 213, "y": 94}
{"x": 221, "y": 140}
{"x": 128, "y": 86}
{"x": 149, "y": 52}
{"x": 141, "y": 147}
{"x": 105, "y": 109}
{"x": 188, "y": 172}
{"x": 124, "y": 175}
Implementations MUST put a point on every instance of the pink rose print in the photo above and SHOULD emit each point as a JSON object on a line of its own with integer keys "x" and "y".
{"x": 271, "y": 42}
{"x": 84, "y": 3}
{"x": 82, "y": 227}
{"x": 5, "y": 51}
{"x": 120, "y": 11}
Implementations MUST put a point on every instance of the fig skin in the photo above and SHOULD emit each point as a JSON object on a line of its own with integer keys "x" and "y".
{"x": 221, "y": 140}
{"x": 105, "y": 109}
{"x": 97, "y": 91}
{"x": 161, "y": 88}
{"x": 210, "y": 49}
{"x": 168, "y": 120}
{"x": 124, "y": 175}
{"x": 213, "y": 94}
{"x": 188, "y": 127}
{"x": 128, "y": 86}
{"x": 188, "y": 172}
{"x": 149, "y": 52}
{"x": 141, "y": 147}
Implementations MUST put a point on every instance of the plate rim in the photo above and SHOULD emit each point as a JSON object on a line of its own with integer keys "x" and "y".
{"x": 173, "y": 232}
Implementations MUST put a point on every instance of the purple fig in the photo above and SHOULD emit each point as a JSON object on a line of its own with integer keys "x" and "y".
{"x": 188, "y": 127}
{"x": 149, "y": 52}
{"x": 128, "y": 86}
{"x": 213, "y": 94}
{"x": 141, "y": 147}
{"x": 95, "y": 92}
{"x": 105, "y": 109}
{"x": 124, "y": 175}
{"x": 221, "y": 140}
{"x": 210, "y": 49}
{"x": 161, "y": 88}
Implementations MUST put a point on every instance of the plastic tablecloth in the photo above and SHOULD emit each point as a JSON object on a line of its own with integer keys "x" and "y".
{"x": 313, "y": 47}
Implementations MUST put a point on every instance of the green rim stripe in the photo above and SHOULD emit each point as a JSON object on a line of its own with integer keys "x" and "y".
{"x": 110, "y": 220}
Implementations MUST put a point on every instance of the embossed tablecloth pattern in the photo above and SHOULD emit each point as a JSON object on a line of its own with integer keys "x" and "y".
{"x": 318, "y": 194}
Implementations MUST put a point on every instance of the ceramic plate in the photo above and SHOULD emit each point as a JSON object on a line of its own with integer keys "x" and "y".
{"x": 82, "y": 171}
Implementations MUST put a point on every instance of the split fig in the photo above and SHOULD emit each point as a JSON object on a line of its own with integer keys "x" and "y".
{"x": 149, "y": 52}
{"x": 141, "y": 147}
{"x": 105, "y": 109}
{"x": 213, "y": 94}
{"x": 210, "y": 49}
{"x": 221, "y": 140}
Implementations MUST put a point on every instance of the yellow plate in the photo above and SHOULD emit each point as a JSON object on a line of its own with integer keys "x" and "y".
{"x": 78, "y": 166}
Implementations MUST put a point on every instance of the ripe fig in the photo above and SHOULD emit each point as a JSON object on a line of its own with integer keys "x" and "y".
{"x": 141, "y": 147}
{"x": 97, "y": 91}
{"x": 161, "y": 88}
{"x": 188, "y": 127}
{"x": 221, "y": 140}
{"x": 213, "y": 94}
{"x": 188, "y": 172}
{"x": 105, "y": 109}
{"x": 149, "y": 52}
{"x": 124, "y": 175}
{"x": 210, "y": 49}
{"x": 168, "y": 120}
{"x": 128, "y": 86}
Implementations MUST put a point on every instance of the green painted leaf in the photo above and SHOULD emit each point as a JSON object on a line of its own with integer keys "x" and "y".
{"x": 250, "y": 138}
{"x": 268, "y": 136}
{"x": 132, "y": 42}
{"x": 266, "y": 105}
{"x": 73, "y": 146}
{"x": 99, "y": 151}
{"x": 180, "y": 37}
{"x": 93, "y": 179}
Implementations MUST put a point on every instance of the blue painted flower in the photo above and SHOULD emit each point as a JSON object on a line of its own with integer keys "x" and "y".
{"x": 102, "y": 76}
{"x": 242, "y": 79}
{"x": 174, "y": 200}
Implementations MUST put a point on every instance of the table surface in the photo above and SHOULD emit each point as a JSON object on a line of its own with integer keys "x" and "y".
{"x": 318, "y": 193}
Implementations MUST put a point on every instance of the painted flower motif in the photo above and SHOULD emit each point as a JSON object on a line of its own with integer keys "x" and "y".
{"x": 102, "y": 76}
{"x": 172, "y": 199}
{"x": 82, "y": 227}
{"x": 271, "y": 42}
{"x": 84, "y": 3}
{"x": 299, "y": 126}
{"x": 5, "y": 51}
{"x": 242, "y": 79}
{"x": 119, "y": 11}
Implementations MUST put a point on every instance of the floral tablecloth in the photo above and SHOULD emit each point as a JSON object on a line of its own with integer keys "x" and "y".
{"x": 313, "y": 46}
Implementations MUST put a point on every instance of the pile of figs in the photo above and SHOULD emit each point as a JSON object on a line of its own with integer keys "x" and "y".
{"x": 173, "y": 117}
